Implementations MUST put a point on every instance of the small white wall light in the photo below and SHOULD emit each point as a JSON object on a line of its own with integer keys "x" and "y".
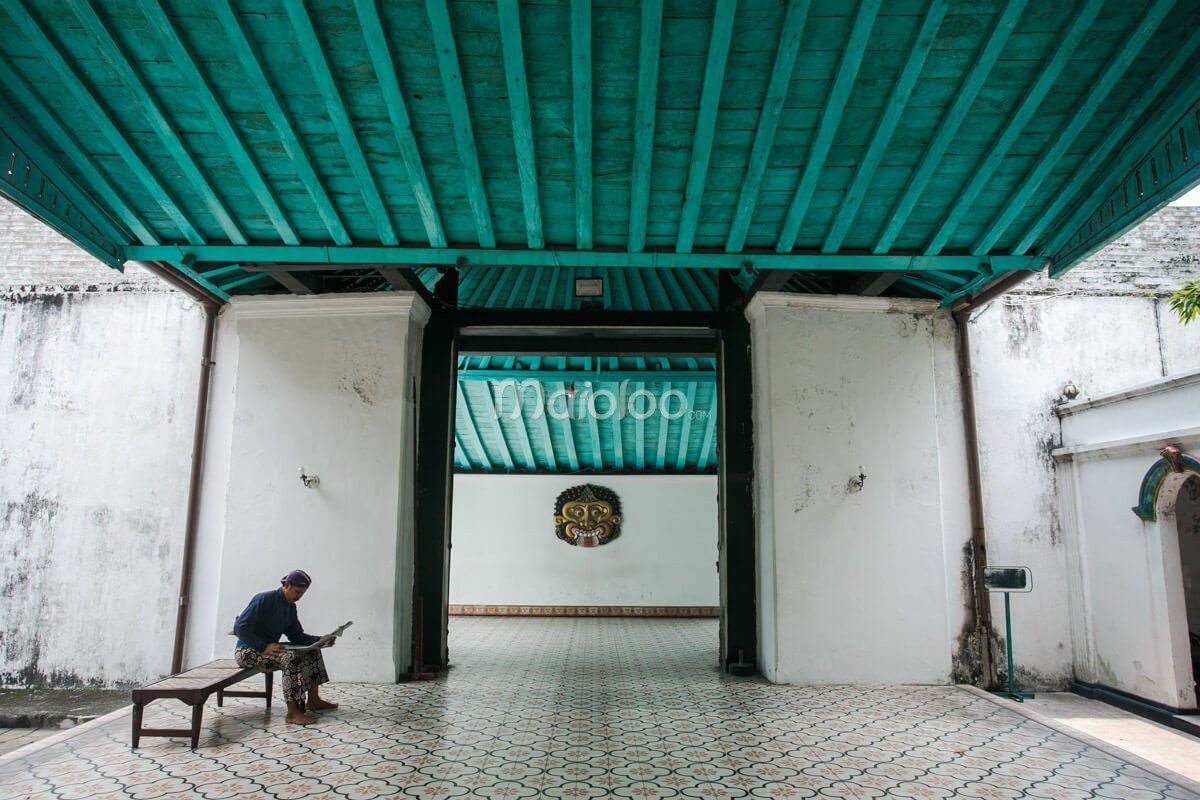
{"x": 1069, "y": 391}
{"x": 309, "y": 481}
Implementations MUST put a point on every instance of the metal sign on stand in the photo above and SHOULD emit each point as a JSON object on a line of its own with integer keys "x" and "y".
{"x": 1009, "y": 580}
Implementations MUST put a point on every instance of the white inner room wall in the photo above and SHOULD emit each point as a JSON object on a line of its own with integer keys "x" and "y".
{"x": 860, "y": 578}
{"x": 505, "y": 551}
{"x": 322, "y": 383}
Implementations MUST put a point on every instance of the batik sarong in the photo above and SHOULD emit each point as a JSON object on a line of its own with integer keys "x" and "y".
{"x": 302, "y": 669}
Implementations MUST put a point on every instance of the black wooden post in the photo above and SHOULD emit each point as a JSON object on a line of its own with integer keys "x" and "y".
{"x": 735, "y": 465}
{"x": 434, "y": 482}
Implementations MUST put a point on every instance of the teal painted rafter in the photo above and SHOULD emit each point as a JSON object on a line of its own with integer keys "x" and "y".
{"x": 649, "y": 47}
{"x": 522, "y": 119}
{"x": 706, "y": 123}
{"x": 594, "y": 433}
{"x": 639, "y": 430}
{"x": 1078, "y": 26}
{"x": 706, "y": 444}
{"x": 664, "y": 430}
{"x": 968, "y": 90}
{"x": 1101, "y": 87}
{"x": 213, "y": 274}
{"x": 461, "y": 459}
{"x": 581, "y": 118}
{"x": 526, "y": 447}
{"x": 159, "y": 120}
{"x": 831, "y": 118}
{"x": 605, "y": 376}
{"x": 893, "y": 112}
{"x": 102, "y": 119}
{"x": 568, "y": 432}
{"x": 460, "y": 116}
{"x": 768, "y": 121}
{"x": 466, "y": 416}
{"x": 489, "y": 408}
{"x": 393, "y": 99}
{"x": 347, "y": 257}
{"x": 181, "y": 54}
{"x": 685, "y": 433}
{"x": 70, "y": 146}
{"x": 249, "y": 57}
{"x": 335, "y": 107}
{"x": 242, "y": 282}
{"x": 498, "y": 432}
{"x": 1098, "y": 160}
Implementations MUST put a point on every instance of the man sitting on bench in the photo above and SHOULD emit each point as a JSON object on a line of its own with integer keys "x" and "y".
{"x": 269, "y": 615}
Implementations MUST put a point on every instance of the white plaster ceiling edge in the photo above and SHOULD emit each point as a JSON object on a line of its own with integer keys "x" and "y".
{"x": 351, "y": 304}
{"x": 841, "y": 302}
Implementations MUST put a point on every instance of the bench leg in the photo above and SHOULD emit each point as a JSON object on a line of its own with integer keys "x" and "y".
{"x": 137, "y": 723}
{"x": 197, "y": 715}
{"x": 270, "y": 676}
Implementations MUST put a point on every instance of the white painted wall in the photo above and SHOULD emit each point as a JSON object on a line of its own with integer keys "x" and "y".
{"x": 1127, "y": 600}
{"x": 1024, "y": 349}
{"x": 860, "y": 578}
{"x": 505, "y": 551}
{"x": 324, "y": 383}
{"x": 97, "y": 400}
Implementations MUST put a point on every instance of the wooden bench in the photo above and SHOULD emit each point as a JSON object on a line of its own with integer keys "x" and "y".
{"x": 194, "y": 688}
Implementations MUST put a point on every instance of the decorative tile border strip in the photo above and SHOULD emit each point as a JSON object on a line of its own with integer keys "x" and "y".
{"x": 583, "y": 611}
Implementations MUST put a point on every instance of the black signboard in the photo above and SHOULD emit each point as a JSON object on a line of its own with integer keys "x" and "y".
{"x": 1008, "y": 579}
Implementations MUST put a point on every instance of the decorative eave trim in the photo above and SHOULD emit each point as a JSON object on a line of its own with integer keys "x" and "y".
{"x": 332, "y": 305}
{"x": 1127, "y": 446}
{"x": 1173, "y": 462}
{"x": 1141, "y": 390}
{"x": 840, "y": 302}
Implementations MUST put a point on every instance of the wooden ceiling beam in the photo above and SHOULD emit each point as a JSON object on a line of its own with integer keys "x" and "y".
{"x": 831, "y": 118}
{"x": 181, "y": 55}
{"x": 706, "y": 123}
{"x": 160, "y": 123}
{"x": 768, "y": 121}
{"x": 886, "y": 126}
{"x": 310, "y": 46}
{"x": 1068, "y": 40}
{"x": 581, "y": 118}
{"x": 522, "y": 119}
{"x": 649, "y": 47}
{"x": 964, "y": 98}
{"x": 249, "y": 57}
{"x": 47, "y": 50}
{"x": 1115, "y": 69}
{"x": 393, "y": 99}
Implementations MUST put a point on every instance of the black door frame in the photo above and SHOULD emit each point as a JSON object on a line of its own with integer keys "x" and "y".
{"x": 449, "y": 331}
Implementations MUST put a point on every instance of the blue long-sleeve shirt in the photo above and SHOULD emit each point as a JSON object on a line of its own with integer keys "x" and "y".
{"x": 267, "y": 617}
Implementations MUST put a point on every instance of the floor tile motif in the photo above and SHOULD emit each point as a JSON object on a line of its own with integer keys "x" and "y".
{"x": 587, "y": 707}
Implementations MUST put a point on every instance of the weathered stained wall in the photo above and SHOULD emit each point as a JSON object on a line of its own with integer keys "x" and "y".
{"x": 1105, "y": 325}
{"x": 505, "y": 551}
{"x": 859, "y": 585}
{"x": 324, "y": 383}
{"x": 97, "y": 391}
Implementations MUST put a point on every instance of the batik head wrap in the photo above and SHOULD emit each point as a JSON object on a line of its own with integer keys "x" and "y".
{"x": 297, "y": 577}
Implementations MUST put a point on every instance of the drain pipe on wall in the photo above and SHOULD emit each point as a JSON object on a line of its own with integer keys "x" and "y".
{"x": 983, "y": 607}
{"x": 211, "y": 305}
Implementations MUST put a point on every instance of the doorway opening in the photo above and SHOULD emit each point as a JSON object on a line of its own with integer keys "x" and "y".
{"x": 584, "y": 492}
{"x": 1187, "y": 519}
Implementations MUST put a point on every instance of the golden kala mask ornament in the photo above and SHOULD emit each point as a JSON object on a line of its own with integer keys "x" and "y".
{"x": 587, "y": 516}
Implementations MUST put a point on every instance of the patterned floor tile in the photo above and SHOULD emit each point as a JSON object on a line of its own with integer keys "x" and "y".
{"x": 590, "y": 708}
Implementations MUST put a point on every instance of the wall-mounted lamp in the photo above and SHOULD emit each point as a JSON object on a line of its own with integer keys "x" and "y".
{"x": 1069, "y": 391}
{"x": 309, "y": 481}
{"x": 855, "y": 484}
{"x": 571, "y": 390}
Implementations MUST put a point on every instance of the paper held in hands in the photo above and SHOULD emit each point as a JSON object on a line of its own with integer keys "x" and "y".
{"x": 324, "y": 641}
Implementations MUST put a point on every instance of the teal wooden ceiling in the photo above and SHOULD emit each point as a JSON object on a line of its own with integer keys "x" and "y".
{"x": 912, "y": 147}
{"x": 576, "y": 414}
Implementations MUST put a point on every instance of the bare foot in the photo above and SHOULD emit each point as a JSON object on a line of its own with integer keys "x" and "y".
{"x": 318, "y": 704}
{"x": 298, "y": 719}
